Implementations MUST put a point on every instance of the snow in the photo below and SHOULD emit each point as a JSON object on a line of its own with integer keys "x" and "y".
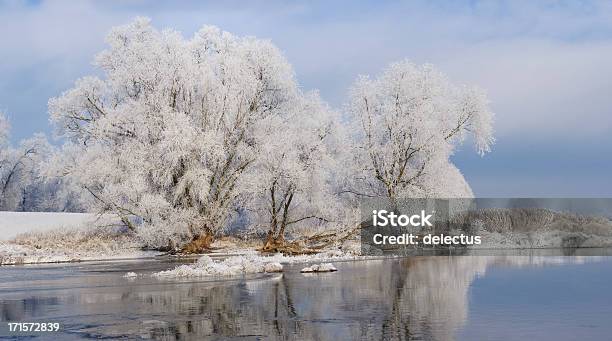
{"x": 250, "y": 264}
{"x": 205, "y": 266}
{"x": 14, "y": 223}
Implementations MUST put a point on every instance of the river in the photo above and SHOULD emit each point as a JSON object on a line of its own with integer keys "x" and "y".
{"x": 415, "y": 298}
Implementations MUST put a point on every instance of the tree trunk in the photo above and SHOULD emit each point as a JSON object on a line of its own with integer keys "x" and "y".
{"x": 273, "y": 242}
{"x": 199, "y": 244}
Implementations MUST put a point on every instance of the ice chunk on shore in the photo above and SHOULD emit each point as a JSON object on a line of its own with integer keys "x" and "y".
{"x": 307, "y": 269}
{"x": 273, "y": 267}
{"x": 324, "y": 267}
{"x": 249, "y": 264}
{"x": 231, "y": 266}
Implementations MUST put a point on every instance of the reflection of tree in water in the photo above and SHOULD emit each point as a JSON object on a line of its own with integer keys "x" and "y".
{"x": 431, "y": 298}
{"x": 393, "y": 300}
{"x": 16, "y": 310}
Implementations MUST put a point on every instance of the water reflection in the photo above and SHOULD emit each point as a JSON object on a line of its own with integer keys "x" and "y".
{"x": 418, "y": 298}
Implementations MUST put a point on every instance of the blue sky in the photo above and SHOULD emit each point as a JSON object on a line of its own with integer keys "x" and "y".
{"x": 547, "y": 67}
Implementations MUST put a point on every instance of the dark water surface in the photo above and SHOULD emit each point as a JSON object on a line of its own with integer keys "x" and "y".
{"x": 418, "y": 298}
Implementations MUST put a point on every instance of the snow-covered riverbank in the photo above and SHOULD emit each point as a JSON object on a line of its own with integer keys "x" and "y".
{"x": 52, "y": 237}
{"x": 32, "y": 237}
{"x": 13, "y": 254}
{"x": 71, "y": 245}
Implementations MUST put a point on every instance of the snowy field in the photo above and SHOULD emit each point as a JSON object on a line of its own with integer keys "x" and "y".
{"x": 14, "y": 223}
{"x": 37, "y": 237}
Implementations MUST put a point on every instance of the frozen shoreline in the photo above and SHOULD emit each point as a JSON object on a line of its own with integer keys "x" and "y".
{"x": 222, "y": 262}
{"x": 13, "y": 254}
{"x": 92, "y": 242}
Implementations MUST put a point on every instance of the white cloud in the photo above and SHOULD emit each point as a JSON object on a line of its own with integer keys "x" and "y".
{"x": 546, "y": 65}
{"x": 541, "y": 88}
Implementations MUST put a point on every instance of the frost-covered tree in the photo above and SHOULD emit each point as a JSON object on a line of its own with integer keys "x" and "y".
{"x": 18, "y": 167}
{"x": 409, "y": 121}
{"x": 293, "y": 179}
{"x": 21, "y": 177}
{"x": 26, "y": 180}
{"x": 173, "y": 126}
{"x": 55, "y": 188}
{"x": 4, "y": 129}
{"x": 183, "y": 133}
